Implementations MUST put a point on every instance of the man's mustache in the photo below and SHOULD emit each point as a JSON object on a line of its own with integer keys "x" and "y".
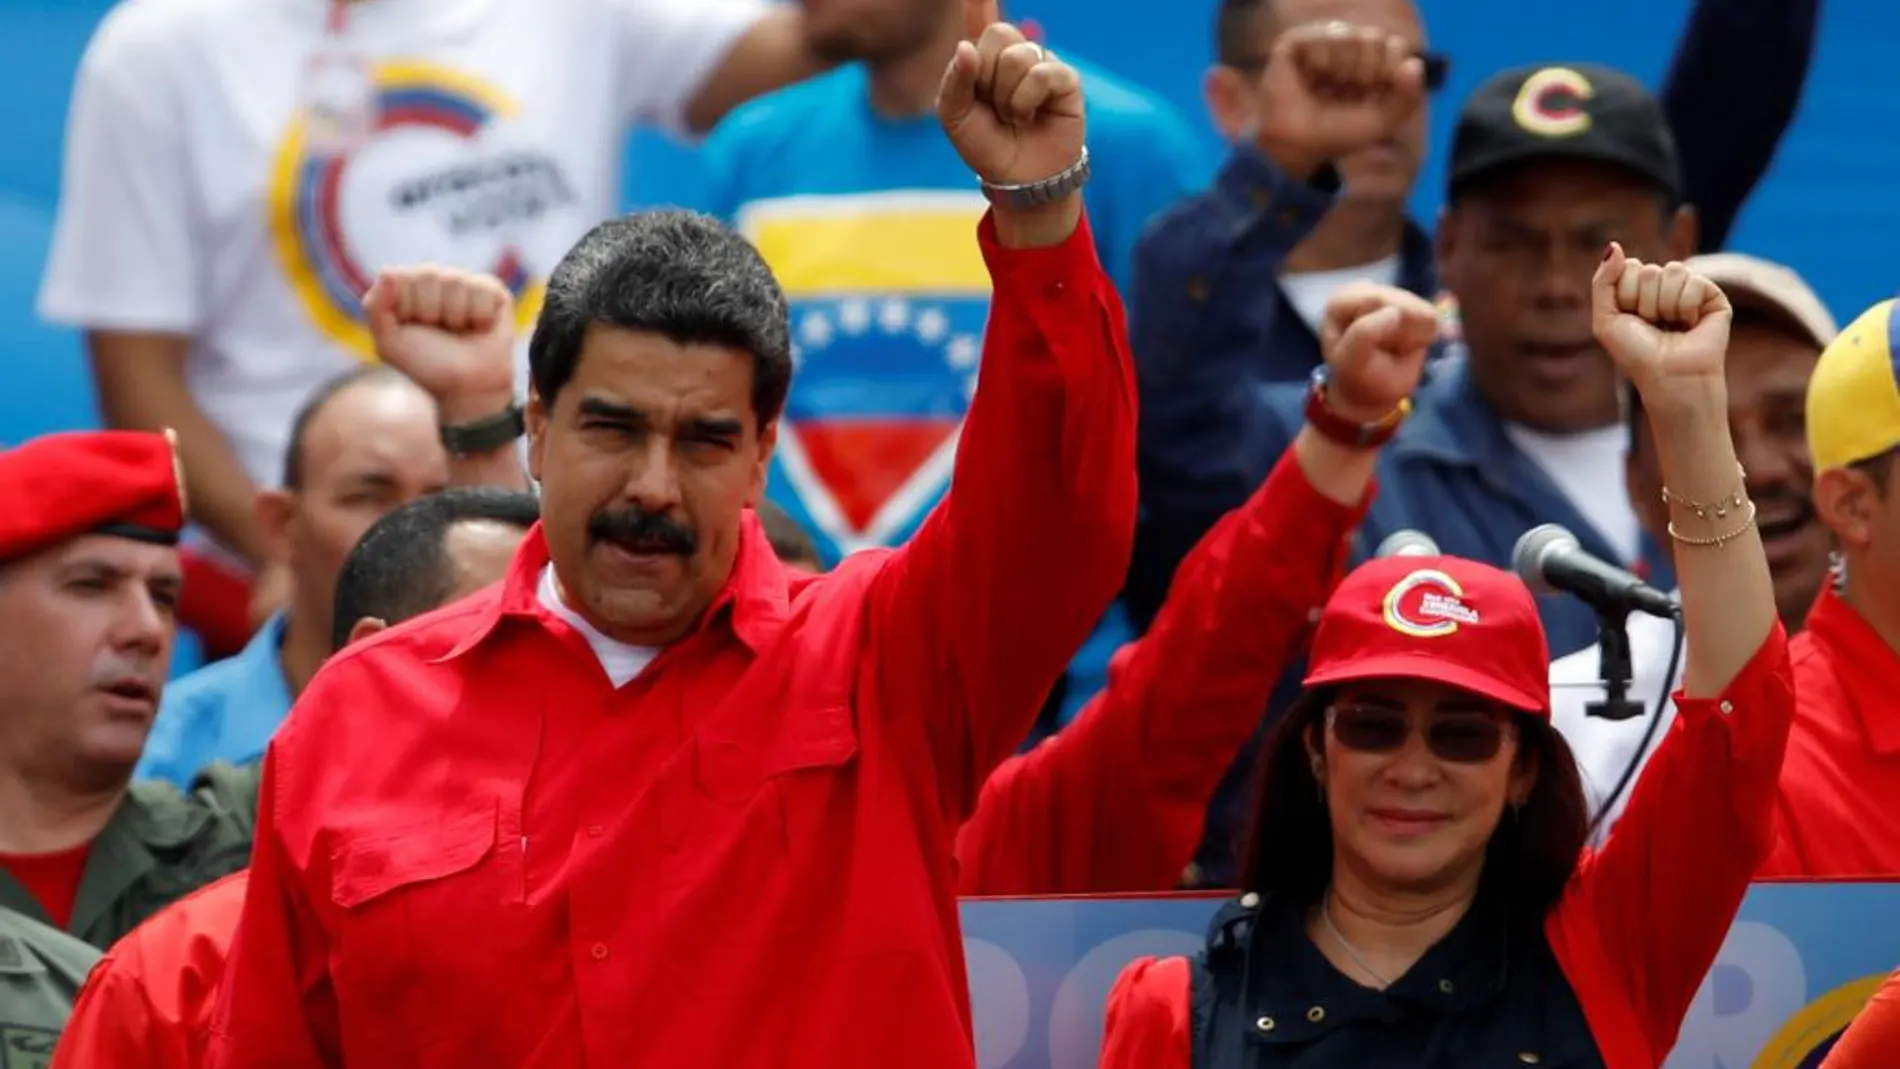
{"x": 635, "y": 528}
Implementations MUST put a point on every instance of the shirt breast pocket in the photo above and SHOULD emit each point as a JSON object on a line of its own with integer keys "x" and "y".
{"x": 424, "y": 909}
{"x": 757, "y": 839}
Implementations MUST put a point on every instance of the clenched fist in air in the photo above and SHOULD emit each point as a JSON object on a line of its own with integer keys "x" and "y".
{"x": 451, "y": 331}
{"x": 1015, "y": 114}
{"x": 1332, "y": 88}
{"x": 1664, "y": 326}
{"x": 1375, "y": 339}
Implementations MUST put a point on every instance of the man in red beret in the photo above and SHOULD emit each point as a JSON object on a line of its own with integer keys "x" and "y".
{"x": 89, "y": 579}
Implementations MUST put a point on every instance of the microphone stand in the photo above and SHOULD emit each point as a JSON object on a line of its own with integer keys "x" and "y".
{"x": 1613, "y": 641}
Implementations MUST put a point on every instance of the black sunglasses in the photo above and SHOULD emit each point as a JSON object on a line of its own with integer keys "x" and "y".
{"x": 1466, "y": 738}
{"x": 1437, "y": 68}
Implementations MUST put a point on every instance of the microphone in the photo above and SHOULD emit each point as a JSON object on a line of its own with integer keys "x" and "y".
{"x": 1407, "y": 543}
{"x": 1550, "y": 559}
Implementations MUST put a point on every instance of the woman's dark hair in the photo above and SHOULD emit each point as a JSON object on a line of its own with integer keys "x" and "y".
{"x": 1289, "y": 850}
{"x": 678, "y": 274}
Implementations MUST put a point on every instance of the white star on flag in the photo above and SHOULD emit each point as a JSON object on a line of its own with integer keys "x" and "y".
{"x": 932, "y": 325}
{"x": 814, "y": 329}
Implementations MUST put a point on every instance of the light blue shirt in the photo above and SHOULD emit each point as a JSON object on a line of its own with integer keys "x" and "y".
{"x": 223, "y": 711}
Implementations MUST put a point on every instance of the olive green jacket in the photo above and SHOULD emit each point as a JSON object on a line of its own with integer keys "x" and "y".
{"x": 41, "y": 970}
{"x": 158, "y": 847}
{"x": 232, "y": 791}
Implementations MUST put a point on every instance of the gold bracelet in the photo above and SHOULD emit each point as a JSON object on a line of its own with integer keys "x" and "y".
{"x": 1718, "y": 540}
{"x": 1721, "y": 508}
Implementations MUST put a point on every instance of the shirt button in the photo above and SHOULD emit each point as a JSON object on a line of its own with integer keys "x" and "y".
{"x": 600, "y": 952}
{"x": 1528, "y": 1058}
{"x": 594, "y": 831}
{"x": 1197, "y": 290}
{"x": 1312, "y": 616}
{"x": 1445, "y": 987}
{"x": 1265, "y": 1024}
{"x": 1316, "y": 1014}
{"x": 1726, "y": 708}
{"x": 1055, "y": 290}
{"x": 1249, "y": 900}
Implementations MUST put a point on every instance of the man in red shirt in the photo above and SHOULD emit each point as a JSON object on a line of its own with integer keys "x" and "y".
{"x": 148, "y": 1003}
{"x": 89, "y": 582}
{"x": 1842, "y": 772}
{"x": 658, "y": 800}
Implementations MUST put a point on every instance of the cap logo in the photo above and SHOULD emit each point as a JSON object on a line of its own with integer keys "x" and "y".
{"x": 1550, "y": 103}
{"x": 1427, "y": 604}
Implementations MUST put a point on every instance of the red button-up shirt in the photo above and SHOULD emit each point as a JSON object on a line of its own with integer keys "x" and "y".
{"x": 472, "y": 850}
{"x": 1116, "y": 801}
{"x": 1842, "y": 774}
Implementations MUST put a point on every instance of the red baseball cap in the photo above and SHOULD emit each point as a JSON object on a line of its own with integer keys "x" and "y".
{"x": 59, "y": 486}
{"x": 1446, "y": 619}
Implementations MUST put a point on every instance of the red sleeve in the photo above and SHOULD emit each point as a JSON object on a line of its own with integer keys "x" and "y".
{"x": 114, "y": 1025}
{"x": 975, "y": 618}
{"x": 1149, "y": 1023}
{"x": 1873, "y": 1040}
{"x": 1115, "y": 802}
{"x": 276, "y": 1009}
{"x": 1660, "y": 896}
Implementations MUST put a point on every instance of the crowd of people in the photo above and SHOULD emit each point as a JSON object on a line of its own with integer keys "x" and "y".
{"x": 599, "y": 679}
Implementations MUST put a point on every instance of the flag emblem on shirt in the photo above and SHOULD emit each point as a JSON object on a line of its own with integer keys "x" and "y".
{"x": 425, "y": 186}
{"x": 888, "y": 299}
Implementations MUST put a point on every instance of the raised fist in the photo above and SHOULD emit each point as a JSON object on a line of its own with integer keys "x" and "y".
{"x": 1375, "y": 339}
{"x": 1013, "y": 111}
{"x": 1330, "y": 89}
{"x": 1660, "y": 324}
{"x": 451, "y": 331}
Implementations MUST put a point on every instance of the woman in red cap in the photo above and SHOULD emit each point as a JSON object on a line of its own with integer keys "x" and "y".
{"x": 1417, "y": 890}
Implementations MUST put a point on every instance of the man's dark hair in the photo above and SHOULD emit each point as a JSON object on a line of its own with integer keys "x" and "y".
{"x": 677, "y": 274}
{"x": 313, "y": 406}
{"x": 1529, "y": 861}
{"x": 1236, "y": 25}
{"x": 401, "y": 568}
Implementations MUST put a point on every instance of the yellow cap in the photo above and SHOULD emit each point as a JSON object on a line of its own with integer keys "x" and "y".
{"x": 1854, "y": 397}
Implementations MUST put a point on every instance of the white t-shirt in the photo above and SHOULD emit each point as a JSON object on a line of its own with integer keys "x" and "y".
{"x": 1588, "y": 468}
{"x": 1605, "y": 748}
{"x": 622, "y": 663}
{"x": 198, "y": 201}
{"x": 1310, "y": 290}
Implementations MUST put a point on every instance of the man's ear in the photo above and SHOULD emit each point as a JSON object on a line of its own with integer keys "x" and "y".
{"x": 1847, "y": 501}
{"x": 276, "y": 512}
{"x": 536, "y": 415}
{"x": 762, "y": 466}
{"x": 366, "y": 627}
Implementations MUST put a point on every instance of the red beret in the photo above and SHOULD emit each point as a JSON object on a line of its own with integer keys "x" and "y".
{"x": 62, "y": 485}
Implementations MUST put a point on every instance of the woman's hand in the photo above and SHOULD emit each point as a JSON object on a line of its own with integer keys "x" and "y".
{"x": 1666, "y": 327}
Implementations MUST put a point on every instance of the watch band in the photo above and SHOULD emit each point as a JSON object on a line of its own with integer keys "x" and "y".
{"x": 484, "y": 435}
{"x": 1047, "y": 191}
{"x": 1348, "y": 433}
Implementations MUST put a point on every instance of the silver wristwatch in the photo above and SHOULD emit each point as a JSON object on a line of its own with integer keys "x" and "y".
{"x": 1047, "y": 191}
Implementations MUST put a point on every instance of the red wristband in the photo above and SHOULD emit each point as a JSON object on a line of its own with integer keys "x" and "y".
{"x": 1346, "y": 432}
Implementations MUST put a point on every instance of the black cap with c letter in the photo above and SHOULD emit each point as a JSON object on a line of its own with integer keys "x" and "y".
{"x": 1576, "y": 111}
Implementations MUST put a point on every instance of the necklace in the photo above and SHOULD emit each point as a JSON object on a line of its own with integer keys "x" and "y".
{"x": 1326, "y": 918}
